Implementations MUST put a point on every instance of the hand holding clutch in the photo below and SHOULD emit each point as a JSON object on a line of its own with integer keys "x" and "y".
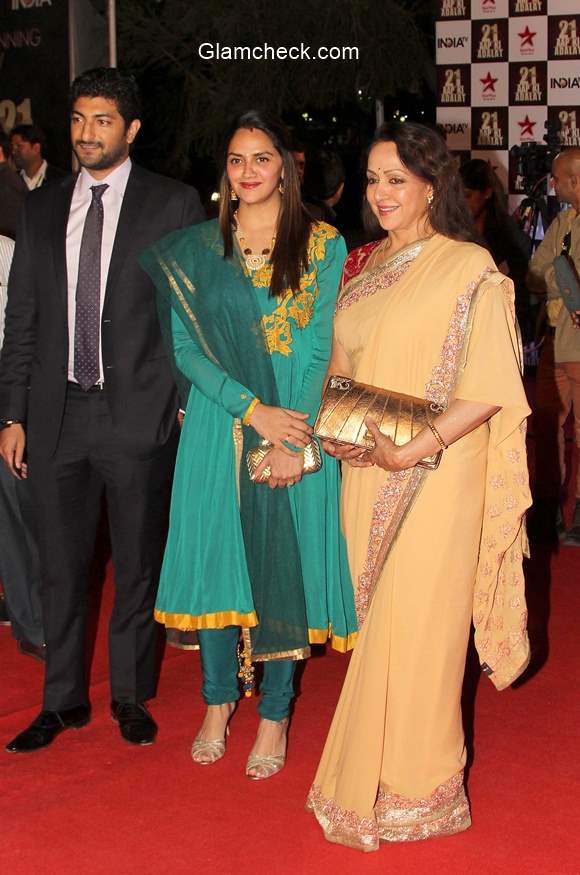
{"x": 348, "y": 406}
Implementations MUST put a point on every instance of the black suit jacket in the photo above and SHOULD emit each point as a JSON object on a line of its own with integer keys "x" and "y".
{"x": 12, "y": 194}
{"x": 33, "y": 368}
{"x": 54, "y": 174}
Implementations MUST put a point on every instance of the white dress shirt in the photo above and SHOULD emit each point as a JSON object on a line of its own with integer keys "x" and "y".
{"x": 112, "y": 201}
{"x": 6, "y": 252}
{"x": 35, "y": 181}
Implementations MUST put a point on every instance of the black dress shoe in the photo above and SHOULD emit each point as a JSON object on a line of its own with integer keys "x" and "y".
{"x": 135, "y": 722}
{"x": 44, "y": 729}
{"x": 4, "y": 618}
{"x": 36, "y": 651}
{"x": 572, "y": 536}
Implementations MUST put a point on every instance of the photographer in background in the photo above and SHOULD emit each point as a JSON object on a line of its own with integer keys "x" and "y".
{"x": 558, "y": 381}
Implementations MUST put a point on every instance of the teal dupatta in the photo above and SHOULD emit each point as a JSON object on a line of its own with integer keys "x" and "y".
{"x": 217, "y": 304}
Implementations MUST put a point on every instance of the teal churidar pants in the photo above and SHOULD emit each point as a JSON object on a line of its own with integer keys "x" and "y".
{"x": 220, "y": 671}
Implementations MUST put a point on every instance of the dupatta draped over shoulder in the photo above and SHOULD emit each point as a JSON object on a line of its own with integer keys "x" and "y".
{"x": 219, "y": 330}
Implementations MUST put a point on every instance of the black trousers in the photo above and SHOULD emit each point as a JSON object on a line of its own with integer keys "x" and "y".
{"x": 68, "y": 489}
{"x": 19, "y": 565}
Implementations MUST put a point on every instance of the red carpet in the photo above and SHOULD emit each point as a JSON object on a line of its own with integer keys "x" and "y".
{"x": 92, "y": 804}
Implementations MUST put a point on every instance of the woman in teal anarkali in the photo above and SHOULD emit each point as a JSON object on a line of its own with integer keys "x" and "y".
{"x": 246, "y": 304}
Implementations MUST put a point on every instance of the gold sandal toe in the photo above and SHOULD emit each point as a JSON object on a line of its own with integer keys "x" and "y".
{"x": 266, "y": 766}
{"x": 207, "y": 752}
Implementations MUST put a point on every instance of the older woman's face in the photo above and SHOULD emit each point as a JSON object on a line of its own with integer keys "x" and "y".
{"x": 396, "y": 196}
{"x": 254, "y": 166}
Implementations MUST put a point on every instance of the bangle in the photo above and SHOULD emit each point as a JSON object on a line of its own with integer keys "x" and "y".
{"x": 250, "y": 409}
{"x": 438, "y": 437}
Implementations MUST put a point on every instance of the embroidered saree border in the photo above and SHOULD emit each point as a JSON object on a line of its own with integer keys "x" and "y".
{"x": 381, "y": 277}
{"x": 395, "y": 497}
{"x": 395, "y": 818}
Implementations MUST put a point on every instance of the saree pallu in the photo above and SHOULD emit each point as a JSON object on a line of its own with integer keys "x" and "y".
{"x": 429, "y": 550}
{"x": 238, "y": 553}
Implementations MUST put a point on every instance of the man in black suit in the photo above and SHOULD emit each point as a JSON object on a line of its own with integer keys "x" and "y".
{"x": 12, "y": 191}
{"x": 86, "y": 387}
{"x": 28, "y": 143}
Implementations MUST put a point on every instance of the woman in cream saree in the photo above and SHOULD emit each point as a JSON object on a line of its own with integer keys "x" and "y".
{"x": 428, "y": 550}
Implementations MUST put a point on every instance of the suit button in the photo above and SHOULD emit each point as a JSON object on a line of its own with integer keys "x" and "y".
{"x": 106, "y": 321}
{"x": 108, "y": 367}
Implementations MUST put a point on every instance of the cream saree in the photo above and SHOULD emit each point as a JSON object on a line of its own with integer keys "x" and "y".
{"x": 428, "y": 550}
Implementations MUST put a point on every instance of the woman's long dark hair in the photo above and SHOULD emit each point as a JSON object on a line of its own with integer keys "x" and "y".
{"x": 478, "y": 175}
{"x": 290, "y": 253}
{"x": 424, "y": 153}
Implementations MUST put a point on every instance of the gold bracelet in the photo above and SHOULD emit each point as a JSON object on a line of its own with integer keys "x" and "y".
{"x": 251, "y": 407}
{"x": 438, "y": 437}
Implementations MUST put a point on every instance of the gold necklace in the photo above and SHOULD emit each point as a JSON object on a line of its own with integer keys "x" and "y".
{"x": 254, "y": 261}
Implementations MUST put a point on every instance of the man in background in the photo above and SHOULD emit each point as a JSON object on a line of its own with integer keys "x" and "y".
{"x": 12, "y": 191}
{"x": 558, "y": 381}
{"x": 19, "y": 563}
{"x": 28, "y": 143}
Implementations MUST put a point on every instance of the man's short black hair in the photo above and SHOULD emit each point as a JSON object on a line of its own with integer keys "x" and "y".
{"x": 30, "y": 134}
{"x": 110, "y": 83}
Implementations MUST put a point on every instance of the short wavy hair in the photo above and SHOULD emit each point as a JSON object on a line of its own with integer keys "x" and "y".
{"x": 424, "y": 153}
{"x": 110, "y": 83}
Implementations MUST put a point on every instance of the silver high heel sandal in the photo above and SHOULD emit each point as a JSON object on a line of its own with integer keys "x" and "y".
{"x": 267, "y": 766}
{"x": 206, "y": 752}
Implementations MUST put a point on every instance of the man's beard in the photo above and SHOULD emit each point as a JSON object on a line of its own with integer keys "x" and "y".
{"x": 101, "y": 160}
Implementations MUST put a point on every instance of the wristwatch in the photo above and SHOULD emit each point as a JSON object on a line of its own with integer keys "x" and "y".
{"x": 4, "y": 423}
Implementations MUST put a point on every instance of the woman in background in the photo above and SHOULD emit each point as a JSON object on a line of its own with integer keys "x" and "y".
{"x": 499, "y": 232}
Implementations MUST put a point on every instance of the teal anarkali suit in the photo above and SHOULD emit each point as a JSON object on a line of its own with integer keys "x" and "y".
{"x": 239, "y": 554}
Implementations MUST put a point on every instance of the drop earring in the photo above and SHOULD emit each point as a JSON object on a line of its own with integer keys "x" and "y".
{"x": 430, "y": 198}
{"x": 233, "y": 195}
{"x": 281, "y": 188}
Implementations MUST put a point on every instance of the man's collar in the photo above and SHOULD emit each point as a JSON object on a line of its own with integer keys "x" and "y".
{"x": 117, "y": 179}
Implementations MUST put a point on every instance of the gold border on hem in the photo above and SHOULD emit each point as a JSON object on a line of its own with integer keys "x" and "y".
{"x": 218, "y": 620}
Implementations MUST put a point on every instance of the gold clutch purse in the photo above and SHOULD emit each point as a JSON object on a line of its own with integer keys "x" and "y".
{"x": 345, "y": 404}
{"x": 312, "y": 459}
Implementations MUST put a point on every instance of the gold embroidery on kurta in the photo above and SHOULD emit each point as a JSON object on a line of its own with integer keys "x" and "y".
{"x": 293, "y": 310}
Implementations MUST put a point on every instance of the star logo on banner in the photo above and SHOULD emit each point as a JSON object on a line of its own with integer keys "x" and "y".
{"x": 488, "y": 83}
{"x": 527, "y": 127}
{"x": 527, "y": 37}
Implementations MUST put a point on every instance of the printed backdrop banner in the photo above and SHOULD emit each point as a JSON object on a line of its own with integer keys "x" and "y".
{"x": 34, "y": 70}
{"x": 505, "y": 69}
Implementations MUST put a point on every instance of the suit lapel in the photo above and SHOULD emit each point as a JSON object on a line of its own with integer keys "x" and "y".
{"x": 131, "y": 210}
{"x": 63, "y": 196}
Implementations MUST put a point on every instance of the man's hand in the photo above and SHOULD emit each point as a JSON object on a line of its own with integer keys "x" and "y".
{"x": 12, "y": 443}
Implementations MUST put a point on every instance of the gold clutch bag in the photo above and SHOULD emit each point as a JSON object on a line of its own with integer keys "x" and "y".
{"x": 345, "y": 404}
{"x": 312, "y": 459}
